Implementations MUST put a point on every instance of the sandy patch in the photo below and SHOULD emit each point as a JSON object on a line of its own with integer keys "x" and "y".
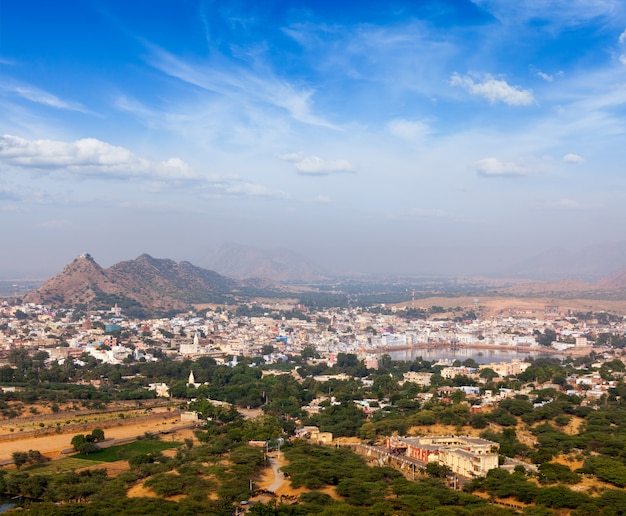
{"x": 141, "y": 491}
{"x": 573, "y": 427}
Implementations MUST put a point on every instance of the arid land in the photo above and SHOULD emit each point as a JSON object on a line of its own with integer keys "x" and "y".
{"x": 492, "y": 306}
{"x": 23, "y": 434}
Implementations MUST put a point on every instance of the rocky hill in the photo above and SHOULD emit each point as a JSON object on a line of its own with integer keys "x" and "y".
{"x": 145, "y": 284}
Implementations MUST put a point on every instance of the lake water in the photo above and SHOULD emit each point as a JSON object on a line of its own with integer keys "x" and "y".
{"x": 482, "y": 356}
{"x": 6, "y": 504}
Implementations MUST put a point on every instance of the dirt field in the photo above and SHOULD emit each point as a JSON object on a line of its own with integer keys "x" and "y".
{"x": 52, "y": 445}
{"x": 490, "y": 306}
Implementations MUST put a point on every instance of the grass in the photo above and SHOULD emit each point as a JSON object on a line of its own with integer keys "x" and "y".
{"x": 59, "y": 466}
{"x": 112, "y": 454}
{"x": 124, "y": 451}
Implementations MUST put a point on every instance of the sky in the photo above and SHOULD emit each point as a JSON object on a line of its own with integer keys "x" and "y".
{"x": 423, "y": 137}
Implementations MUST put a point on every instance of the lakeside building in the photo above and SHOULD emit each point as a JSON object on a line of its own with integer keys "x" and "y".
{"x": 464, "y": 455}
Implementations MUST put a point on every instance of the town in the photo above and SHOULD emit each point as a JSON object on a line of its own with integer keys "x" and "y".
{"x": 343, "y": 345}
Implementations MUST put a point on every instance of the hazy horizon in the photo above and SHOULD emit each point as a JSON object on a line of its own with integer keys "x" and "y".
{"x": 429, "y": 138}
{"x": 505, "y": 264}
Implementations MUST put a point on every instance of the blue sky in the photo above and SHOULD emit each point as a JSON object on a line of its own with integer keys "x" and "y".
{"x": 436, "y": 137}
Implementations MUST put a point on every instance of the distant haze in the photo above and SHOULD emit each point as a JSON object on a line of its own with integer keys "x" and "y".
{"x": 236, "y": 260}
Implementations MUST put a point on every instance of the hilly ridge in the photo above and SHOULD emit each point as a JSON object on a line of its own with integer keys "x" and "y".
{"x": 145, "y": 284}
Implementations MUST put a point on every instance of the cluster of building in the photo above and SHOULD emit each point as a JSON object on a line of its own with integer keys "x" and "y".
{"x": 466, "y": 456}
{"x": 221, "y": 332}
{"x": 224, "y": 335}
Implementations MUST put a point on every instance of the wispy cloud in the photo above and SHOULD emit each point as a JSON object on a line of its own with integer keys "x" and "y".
{"x": 494, "y": 90}
{"x": 224, "y": 77}
{"x": 315, "y": 166}
{"x": 622, "y": 41}
{"x": 409, "y": 129}
{"x": 560, "y": 13}
{"x": 39, "y": 96}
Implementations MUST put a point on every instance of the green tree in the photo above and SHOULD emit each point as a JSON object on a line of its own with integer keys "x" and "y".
{"x": 19, "y": 458}
{"x": 97, "y": 434}
{"x": 77, "y": 441}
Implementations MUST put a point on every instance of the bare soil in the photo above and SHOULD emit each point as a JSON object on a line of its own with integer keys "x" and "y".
{"x": 52, "y": 445}
{"x": 491, "y": 306}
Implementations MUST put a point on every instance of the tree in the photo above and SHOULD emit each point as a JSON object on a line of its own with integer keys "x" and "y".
{"x": 488, "y": 373}
{"x": 19, "y": 458}
{"x": 98, "y": 434}
{"x": 437, "y": 470}
{"x": 35, "y": 456}
{"x": 87, "y": 448}
{"x": 77, "y": 441}
{"x": 309, "y": 352}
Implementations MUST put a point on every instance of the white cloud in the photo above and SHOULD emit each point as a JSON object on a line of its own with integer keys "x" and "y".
{"x": 573, "y": 159}
{"x": 176, "y": 168}
{"x": 622, "y": 59}
{"x": 493, "y": 167}
{"x": 546, "y": 77}
{"x": 494, "y": 90}
{"x": 229, "y": 187}
{"x": 315, "y": 166}
{"x": 292, "y": 156}
{"x": 408, "y": 130}
{"x": 622, "y": 37}
{"x": 86, "y": 156}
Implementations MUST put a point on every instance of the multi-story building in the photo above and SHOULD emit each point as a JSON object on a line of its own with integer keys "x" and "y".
{"x": 464, "y": 455}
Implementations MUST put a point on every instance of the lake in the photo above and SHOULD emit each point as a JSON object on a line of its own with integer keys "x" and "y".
{"x": 482, "y": 356}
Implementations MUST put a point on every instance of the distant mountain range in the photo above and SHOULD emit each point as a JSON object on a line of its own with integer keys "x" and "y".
{"x": 279, "y": 265}
{"x": 590, "y": 263}
{"x": 150, "y": 285}
{"x": 145, "y": 284}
